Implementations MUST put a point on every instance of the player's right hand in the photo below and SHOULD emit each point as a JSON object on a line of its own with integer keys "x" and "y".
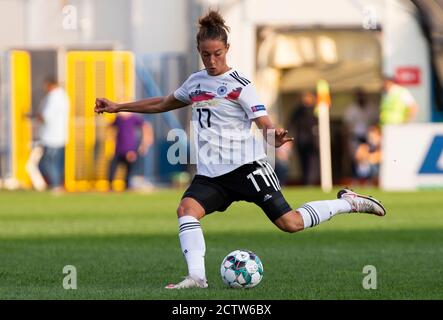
{"x": 105, "y": 105}
{"x": 281, "y": 138}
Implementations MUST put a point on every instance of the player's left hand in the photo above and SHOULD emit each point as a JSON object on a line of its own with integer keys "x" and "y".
{"x": 281, "y": 138}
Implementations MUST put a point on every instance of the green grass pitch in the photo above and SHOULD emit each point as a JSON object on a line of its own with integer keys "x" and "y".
{"x": 125, "y": 246}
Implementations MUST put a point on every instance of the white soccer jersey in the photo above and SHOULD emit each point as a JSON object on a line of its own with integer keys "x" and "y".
{"x": 223, "y": 108}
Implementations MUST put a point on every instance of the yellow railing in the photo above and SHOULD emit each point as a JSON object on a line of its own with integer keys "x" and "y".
{"x": 92, "y": 74}
{"x": 20, "y": 70}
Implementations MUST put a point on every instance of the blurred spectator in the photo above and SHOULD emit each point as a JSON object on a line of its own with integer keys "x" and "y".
{"x": 53, "y": 118}
{"x": 358, "y": 116}
{"x": 128, "y": 147}
{"x": 368, "y": 157}
{"x": 282, "y": 157}
{"x": 32, "y": 167}
{"x": 397, "y": 105}
{"x": 304, "y": 126}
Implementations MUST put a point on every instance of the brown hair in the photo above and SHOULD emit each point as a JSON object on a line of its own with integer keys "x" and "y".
{"x": 212, "y": 27}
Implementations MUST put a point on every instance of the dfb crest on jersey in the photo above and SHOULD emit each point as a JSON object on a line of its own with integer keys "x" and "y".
{"x": 221, "y": 91}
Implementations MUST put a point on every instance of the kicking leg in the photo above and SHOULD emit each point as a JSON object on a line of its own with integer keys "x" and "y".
{"x": 316, "y": 212}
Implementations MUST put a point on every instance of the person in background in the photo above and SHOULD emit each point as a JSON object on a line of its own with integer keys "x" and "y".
{"x": 368, "y": 157}
{"x": 398, "y": 106}
{"x": 303, "y": 124}
{"x": 128, "y": 146}
{"x": 282, "y": 161}
{"x": 53, "y": 117}
{"x": 358, "y": 117}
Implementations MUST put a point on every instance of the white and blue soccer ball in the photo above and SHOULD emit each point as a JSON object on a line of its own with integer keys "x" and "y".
{"x": 241, "y": 269}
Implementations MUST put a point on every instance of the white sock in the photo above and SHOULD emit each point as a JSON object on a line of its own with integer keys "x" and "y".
{"x": 193, "y": 246}
{"x": 315, "y": 212}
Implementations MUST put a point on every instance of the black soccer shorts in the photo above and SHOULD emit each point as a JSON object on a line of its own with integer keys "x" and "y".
{"x": 253, "y": 182}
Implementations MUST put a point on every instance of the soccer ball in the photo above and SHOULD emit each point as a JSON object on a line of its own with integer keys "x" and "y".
{"x": 241, "y": 269}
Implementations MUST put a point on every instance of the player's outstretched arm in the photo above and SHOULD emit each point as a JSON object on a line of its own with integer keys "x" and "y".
{"x": 150, "y": 105}
{"x": 264, "y": 123}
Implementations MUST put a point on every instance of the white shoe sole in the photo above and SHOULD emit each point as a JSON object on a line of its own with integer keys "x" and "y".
{"x": 342, "y": 192}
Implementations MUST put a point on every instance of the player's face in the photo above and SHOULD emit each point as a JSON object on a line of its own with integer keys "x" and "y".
{"x": 213, "y": 54}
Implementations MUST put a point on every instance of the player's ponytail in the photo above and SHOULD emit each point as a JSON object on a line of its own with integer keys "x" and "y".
{"x": 212, "y": 27}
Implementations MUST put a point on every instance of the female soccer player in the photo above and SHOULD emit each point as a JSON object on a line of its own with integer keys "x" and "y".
{"x": 222, "y": 98}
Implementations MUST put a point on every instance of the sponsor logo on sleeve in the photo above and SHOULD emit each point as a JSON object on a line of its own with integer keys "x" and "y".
{"x": 258, "y": 108}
